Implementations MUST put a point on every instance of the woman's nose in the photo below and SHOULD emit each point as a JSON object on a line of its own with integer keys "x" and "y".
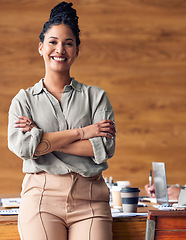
{"x": 60, "y": 49}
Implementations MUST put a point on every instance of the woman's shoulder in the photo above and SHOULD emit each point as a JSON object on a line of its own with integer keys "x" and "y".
{"x": 30, "y": 91}
{"x": 92, "y": 88}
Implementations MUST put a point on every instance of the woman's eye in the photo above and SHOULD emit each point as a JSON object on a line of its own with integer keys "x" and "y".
{"x": 52, "y": 42}
{"x": 68, "y": 44}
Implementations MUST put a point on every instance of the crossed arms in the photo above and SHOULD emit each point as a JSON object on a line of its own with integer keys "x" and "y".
{"x": 73, "y": 141}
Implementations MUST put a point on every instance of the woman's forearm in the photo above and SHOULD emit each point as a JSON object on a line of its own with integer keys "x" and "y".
{"x": 53, "y": 141}
{"x": 80, "y": 148}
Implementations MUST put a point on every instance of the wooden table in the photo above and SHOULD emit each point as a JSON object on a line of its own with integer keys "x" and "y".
{"x": 166, "y": 225}
{"x": 129, "y": 228}
{"x": 8, "y": 228}
{"x": 123, "y": 228}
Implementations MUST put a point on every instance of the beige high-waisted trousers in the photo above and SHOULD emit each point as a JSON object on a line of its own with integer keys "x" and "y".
{"x": 61, "y": 207}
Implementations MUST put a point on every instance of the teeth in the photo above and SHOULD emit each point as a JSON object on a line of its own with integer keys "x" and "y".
{"x": 59, "y": 59}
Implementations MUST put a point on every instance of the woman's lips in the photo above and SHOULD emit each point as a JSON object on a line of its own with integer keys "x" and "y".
{"x": 59, "y": 59}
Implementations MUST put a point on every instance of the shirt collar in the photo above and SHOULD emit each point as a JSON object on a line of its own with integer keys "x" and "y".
{"x": 39, "y": 87}
{"x": 76, "y": 85}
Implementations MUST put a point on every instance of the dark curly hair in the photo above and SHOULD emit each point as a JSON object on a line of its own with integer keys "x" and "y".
{"x": 62, "y": 13}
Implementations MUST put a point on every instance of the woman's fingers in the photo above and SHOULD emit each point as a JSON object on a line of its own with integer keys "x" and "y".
{"x": 21, "y": 125}
{"x": 107, "y": 130}
{"x": 25, "y": 123}
{"x": 104, "y": 128}
{"x": 107, "y": 135}
{"x": 107, "y": 126}
{"x": 150, "y": 190}
{"x": 23, "y": 120}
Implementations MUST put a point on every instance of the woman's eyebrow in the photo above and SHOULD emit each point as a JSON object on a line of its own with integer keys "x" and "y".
{"x": 53, "y": 37}
{"x": 67, "y": 39}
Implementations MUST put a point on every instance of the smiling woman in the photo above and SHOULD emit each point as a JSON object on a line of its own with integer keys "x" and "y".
{"x": 64, "y": 131}
{"x": 59, "y": 51}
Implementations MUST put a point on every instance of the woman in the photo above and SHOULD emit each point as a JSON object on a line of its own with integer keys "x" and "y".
{"x": 64, "y": 131}
{"x": 173, "y": 191}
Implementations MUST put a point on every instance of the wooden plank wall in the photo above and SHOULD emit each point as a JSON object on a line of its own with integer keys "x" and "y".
{"x": 136, "y": 51}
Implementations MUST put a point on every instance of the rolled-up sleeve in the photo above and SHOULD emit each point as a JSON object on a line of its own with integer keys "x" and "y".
{"x": 23, "y": 144}
{"x": 103, "y": 147}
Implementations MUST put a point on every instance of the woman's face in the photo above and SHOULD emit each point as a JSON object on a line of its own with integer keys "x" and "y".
{"x": 59, "y": 48}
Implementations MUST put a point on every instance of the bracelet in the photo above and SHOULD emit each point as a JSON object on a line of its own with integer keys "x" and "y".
{"x": 82, "y": 134}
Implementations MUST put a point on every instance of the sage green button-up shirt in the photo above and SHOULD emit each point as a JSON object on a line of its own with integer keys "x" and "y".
{"x": 81, "y": 105}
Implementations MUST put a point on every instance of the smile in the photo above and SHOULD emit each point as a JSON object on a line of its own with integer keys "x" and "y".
{"x": 59, "y": 59}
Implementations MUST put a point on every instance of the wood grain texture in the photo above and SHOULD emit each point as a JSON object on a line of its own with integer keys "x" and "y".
{"x": 168, "y": 224}
{"x": 136, "y": 51}
{"x": 170, "y": 235}
{"x": 130, "y": 228}
{"x": 173, "y": 223}
{"x": 9, "y": 232}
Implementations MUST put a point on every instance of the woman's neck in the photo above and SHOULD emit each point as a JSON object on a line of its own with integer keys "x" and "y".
{"x": 56, "y": 82}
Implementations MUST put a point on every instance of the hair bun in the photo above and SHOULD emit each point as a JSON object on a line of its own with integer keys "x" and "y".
{"x": 62, "y": 13}
{"x": 63, "y": 8}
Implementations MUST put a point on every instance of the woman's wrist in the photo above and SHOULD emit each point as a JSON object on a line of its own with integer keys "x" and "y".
{"x": 81, "y": 132}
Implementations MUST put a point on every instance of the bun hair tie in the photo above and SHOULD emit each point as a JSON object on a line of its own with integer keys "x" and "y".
{"x": 62, "y": 13}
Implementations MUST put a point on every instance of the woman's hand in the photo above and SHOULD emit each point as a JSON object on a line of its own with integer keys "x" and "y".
{"x": 104, "y": 128}
{"x": 173, "y": 192}
{"x": 150, "y": 190}
{"x": 25, "y": 123}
